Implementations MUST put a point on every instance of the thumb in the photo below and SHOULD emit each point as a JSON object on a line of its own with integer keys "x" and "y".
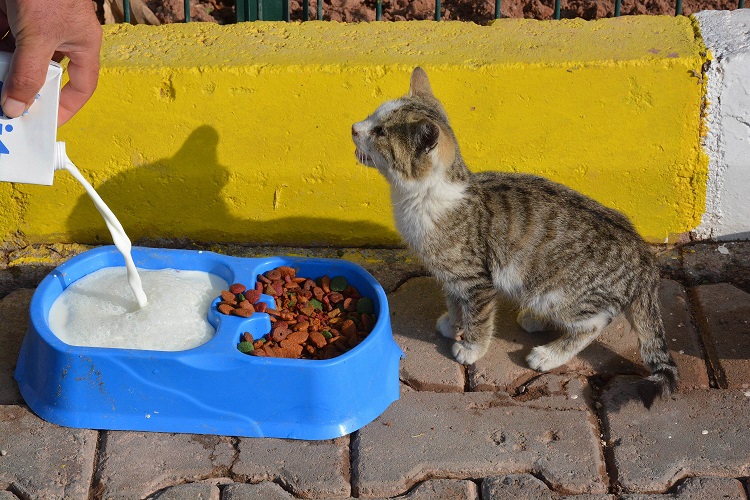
{"x": 26, "y": 76}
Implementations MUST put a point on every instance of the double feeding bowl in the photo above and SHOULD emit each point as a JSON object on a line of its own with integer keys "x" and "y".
{"x": 213, "y": 388}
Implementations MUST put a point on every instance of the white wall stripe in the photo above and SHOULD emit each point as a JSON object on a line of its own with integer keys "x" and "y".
{"x": 727, "y": 143}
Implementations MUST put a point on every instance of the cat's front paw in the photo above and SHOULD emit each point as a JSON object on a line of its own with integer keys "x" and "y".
{"x": 446, "y": 328}
{"x": 467, "y": 353}
{"x": 542, "y": 359}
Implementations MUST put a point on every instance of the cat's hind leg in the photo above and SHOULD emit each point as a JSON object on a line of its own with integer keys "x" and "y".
{"x": 576, "y": 337}
{"x": 478, "y": 314}
{"x": 645, "y": 317}
{"x": 532, "y": 323}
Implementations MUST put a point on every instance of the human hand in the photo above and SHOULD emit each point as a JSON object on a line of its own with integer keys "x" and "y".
{"x": 39, "y": 31}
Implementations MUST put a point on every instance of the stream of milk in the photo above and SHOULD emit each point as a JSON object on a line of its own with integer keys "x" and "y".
{"x": 121, "y": 240}
{"x": 97, "y": 311}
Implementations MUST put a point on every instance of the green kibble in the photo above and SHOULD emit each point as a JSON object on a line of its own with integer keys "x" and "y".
{"x": 245, "y": 347}
{"x": 317, "y": 305}
{"x": 240, "y": 297}
{"x": 365, "y": 305}
{"x": 338, "y": 284}
{"x": 327, "y": 334}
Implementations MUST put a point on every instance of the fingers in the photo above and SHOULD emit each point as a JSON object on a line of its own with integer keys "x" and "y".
{"x": 83, "y": 71}
{"x": 26, "y": 75}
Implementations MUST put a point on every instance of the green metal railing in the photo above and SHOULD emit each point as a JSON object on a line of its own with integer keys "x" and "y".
{"x": 278, "y": 10}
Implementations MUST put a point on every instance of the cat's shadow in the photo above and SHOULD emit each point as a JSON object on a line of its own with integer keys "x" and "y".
{"x": 597, "y": 358}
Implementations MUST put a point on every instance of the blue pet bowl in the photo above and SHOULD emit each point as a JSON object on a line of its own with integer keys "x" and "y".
{"x": 212, "y": 388}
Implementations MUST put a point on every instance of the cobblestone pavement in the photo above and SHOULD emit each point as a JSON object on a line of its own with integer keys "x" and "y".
{"x": 493, "y": 430}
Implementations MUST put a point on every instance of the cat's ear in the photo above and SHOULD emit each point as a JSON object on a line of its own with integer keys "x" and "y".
{"x": 426, "y": 136}
{"x": 420, "y": 84}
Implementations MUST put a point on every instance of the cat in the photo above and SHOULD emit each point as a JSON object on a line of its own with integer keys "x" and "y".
{"x": 568, "y": 261}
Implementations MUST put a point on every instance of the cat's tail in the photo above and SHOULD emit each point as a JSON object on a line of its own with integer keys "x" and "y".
{"x": 645, "y": 317}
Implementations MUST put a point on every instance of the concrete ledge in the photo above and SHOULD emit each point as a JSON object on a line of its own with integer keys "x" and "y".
{"x": 241, "y": 133}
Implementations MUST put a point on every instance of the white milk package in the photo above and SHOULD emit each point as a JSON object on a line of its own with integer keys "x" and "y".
{"x": 27, "y": 143}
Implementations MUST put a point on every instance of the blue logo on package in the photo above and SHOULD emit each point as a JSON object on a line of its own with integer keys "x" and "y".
{"x": 3, "y": 147}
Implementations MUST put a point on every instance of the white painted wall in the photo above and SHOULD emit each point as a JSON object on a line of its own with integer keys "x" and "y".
{"x": 727, "y": 36}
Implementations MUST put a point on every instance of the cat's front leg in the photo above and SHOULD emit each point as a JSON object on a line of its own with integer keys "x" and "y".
{"x": 478, "y": 313}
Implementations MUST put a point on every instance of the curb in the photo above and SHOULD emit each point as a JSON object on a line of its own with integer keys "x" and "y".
{"x": 241, "y": 133}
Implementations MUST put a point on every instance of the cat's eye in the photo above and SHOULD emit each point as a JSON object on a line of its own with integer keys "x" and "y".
{"x": 378, "y": 131}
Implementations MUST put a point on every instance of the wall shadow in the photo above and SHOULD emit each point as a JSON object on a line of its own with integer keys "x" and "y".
{"x": 153, "y": 202}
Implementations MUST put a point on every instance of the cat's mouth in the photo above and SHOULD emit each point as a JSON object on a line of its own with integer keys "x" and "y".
{"x": 364, "y": 158}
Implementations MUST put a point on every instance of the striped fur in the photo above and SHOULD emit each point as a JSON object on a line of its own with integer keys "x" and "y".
{"x": 568, "y": 261}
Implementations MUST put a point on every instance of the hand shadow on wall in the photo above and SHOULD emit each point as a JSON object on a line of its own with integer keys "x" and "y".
{"x": 153, "y": 202}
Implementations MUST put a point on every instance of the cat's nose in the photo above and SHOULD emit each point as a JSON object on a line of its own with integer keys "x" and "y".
{"x": 354, "y": 130}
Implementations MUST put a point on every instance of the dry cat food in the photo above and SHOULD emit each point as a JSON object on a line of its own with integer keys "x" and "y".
{"x": 313, "y": 319}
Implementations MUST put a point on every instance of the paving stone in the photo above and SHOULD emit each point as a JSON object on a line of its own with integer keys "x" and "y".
{"x": 473, "y": 435}
{"x": 25, "y": 267}
{"x": 309, "y": 469}
{"x": 669, "y": 260}
{"x": 442, "y": 489}
{"x": 694, "y": 433}
{"x": 724, "y": 314}
{"x": 614, "y": 352}
{"x": 527, "y": 487}
{"x": 433, "y": 489}
{"x": 193, "y": 491}
{"x": 137, "y": 464}
{"x": 7, "y": 495}
{"x": 682, "y": 337}
{"x": 710, "y": 262}
{"x": 14, "y": 320}
{"x": 43, "y": 460}
{"x": 699, "y": 488}
{"x": 550, "y": 390}
{"x": 24, "y": 276}
{"x": 429, "y": 364}
{"x": 265, "y": 490}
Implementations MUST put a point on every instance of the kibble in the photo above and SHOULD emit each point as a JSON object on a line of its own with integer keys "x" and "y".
{"x": 311, "y": 319}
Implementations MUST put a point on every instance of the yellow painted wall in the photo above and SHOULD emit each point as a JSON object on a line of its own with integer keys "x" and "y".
{"x": 242, "y": 133}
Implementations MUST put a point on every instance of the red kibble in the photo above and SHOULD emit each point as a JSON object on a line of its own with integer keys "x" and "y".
{"x": 243, "y": 313}
{"x": 308, "y": 320}
{"x": 273, "y": 274}
{"x": 226, "y": 308}
{"x": 253, "y": 296}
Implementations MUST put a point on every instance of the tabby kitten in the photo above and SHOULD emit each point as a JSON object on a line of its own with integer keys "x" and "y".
{"x": 568, "y": 261}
